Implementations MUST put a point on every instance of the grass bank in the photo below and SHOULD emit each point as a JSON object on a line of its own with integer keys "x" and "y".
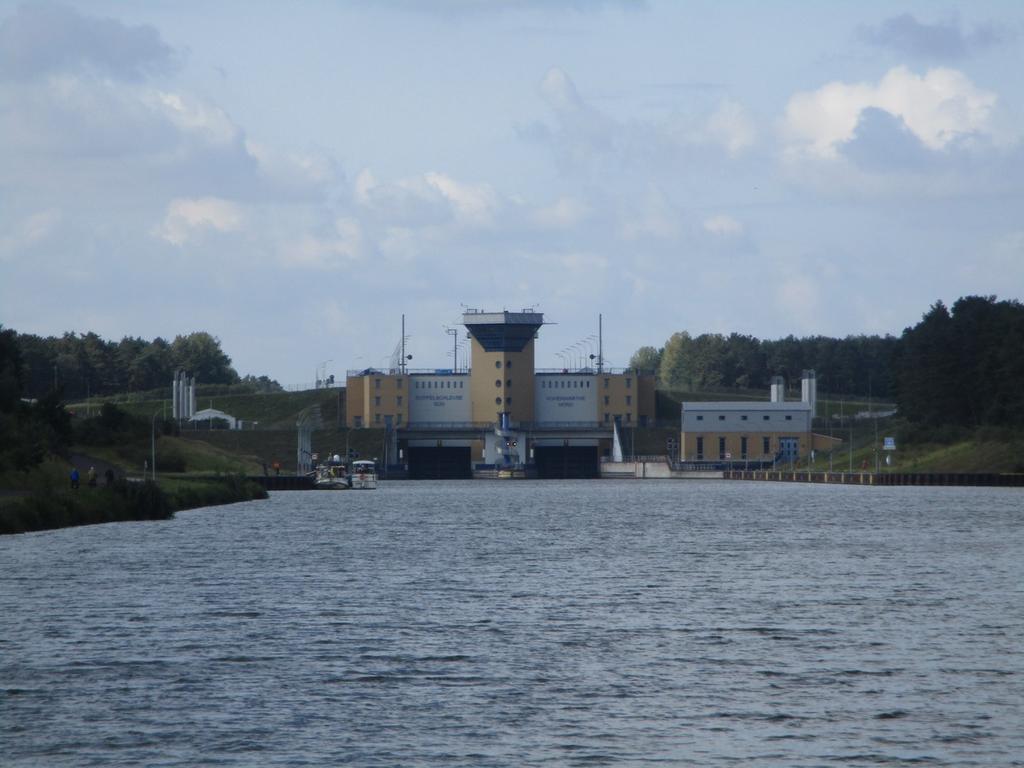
{"x": 122, "y": 501}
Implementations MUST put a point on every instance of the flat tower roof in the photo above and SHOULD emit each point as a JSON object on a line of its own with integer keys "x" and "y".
{"x": 503, "y": 331}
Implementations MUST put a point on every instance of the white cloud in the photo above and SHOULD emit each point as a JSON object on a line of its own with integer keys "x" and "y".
{"x": 474, "y": 204}
{"x": 564, "y": 213}
{"x": 428, "y": 199}
{"x": 193, "y": 116}
{"x": 560, "y": 92}
{"x": 723, "y": 225}
{"x": 187, "y": 217}
{"x": 731, "y": 127}
{"x": 939, "y": 107}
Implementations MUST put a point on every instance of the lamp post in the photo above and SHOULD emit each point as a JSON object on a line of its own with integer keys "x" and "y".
{"x": 152, "y": 445}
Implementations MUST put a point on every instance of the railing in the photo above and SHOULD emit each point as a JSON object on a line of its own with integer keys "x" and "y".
{"x": 700, "y": 465}
{"x": 547, "y": 426}
{"x": 480, "y": 426}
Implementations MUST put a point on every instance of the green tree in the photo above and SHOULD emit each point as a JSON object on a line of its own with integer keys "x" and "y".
{"x": 200, "y": 354}
{"x": 674, "y": 371}
{"x": 646, "y": 359}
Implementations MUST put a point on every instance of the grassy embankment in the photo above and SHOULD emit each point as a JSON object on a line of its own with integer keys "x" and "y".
{"x": 58, "y": 506}
{"x": 274, "y": 437}
{"x": 204, "y": 475}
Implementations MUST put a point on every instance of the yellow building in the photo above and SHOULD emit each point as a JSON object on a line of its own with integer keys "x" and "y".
{"x": 764, "y": 432}
{"x": 502, "y": 413}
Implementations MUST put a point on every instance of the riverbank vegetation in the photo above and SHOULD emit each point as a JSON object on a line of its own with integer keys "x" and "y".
{"x": 123, "y": 500}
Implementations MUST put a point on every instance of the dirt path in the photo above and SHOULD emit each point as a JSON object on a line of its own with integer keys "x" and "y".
{"x": 83, "y": 462}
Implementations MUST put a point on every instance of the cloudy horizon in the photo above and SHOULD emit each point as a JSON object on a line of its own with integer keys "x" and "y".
{"x": 294, "y": 179}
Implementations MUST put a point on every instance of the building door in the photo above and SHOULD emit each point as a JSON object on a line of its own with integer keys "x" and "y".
{"x": 789, "y": 449}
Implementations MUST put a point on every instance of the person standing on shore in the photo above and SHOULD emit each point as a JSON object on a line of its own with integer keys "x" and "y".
{"x": 74, "y": 478}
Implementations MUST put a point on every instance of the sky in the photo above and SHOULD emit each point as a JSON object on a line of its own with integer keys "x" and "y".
{"x": 293, "y": 178}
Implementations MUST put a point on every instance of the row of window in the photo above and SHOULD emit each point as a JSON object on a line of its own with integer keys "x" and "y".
{"x": 766, "y": 446}
{"x": 573, "y": 384}
{"x": 398, "y": 400}
{"x": 608, "y": 417}
{"x": 438, "y": 384}
{"x": 743, "y": 417}
{"x": 497, "y": 364}
{"x": 398, "y": 383}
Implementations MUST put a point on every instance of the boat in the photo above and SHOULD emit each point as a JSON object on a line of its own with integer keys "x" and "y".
{"x": 332, "y": 475}
{"x": 363, "y": 475}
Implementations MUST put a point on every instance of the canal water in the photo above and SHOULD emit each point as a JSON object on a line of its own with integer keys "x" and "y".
{"x": 525, "y": 623}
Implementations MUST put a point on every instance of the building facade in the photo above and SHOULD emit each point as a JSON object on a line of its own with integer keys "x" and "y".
{"x": 749, "y": 431}
{"x": 502, "y": 412}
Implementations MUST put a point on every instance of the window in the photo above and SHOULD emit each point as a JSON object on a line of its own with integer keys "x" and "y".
{"x": 497, "y": 363}
{"x": 700, "y": 448}
{"x": 607, "y": 418}
{"x": 721, "y": 448}
{"x": 508, "y": 363}
{"x": 629, "y": 417}
{"x": 376, "y": 383}
{"x": 497, "y": 383}
{"x": 607, "y": 399}
{"x": 700, "y": 417}
{"x": 629, "y": 399}
{"x": 357, "y": 422}
{"x": 743, "y": 447}
{"x": 766, "y": 446}
{"x": 398, "y": 400}
{"x": 721, "y": 417}
{"x": 789, "y": 418}
{"x": 376, "y": 418}
{"x": 497, "y": 401}
{"x": 376, "y": 400}
{"x": 508, "y": 383}
{"x": 398, "y": 419}
{"x": 766, "y": 417}
{"x": 629, "y": 383}
{"x": 743, "y": 417}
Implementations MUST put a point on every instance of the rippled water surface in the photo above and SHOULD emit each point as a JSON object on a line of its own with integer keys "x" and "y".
{"x": 525, "y": 623}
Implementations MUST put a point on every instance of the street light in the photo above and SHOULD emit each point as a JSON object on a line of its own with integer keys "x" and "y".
{"x": 152, "y": 445}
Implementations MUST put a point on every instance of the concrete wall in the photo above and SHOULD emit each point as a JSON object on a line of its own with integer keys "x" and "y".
{"x": 566, "y": 397}
{"x": 439, "y": 398}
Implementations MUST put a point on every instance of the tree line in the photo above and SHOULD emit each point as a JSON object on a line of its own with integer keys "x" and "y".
{"x": 964, "y": 366}
{"x": 86, "y": 365}
{"x": 713, "y": 361}
{"x": 959, "y": 367}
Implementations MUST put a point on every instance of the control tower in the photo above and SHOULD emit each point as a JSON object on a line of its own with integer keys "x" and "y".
{"x": 502, "y": 364}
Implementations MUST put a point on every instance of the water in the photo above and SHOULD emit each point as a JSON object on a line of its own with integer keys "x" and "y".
{"x": 525, "y": 624}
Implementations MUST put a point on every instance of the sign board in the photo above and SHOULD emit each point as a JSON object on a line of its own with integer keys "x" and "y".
{"x": 728, "y": 455}
{"x": 315, "y": 456}
{"x": 889, "y": 444}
